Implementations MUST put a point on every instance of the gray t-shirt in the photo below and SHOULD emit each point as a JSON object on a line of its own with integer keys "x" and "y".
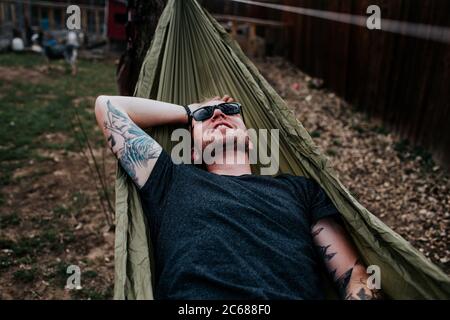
{"x": 233, "y": 237}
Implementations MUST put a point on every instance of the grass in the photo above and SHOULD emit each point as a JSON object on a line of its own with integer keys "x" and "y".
{"x": 6, "y": 262}
{"x": 30, "y": 110}
{"x": 58, "y": 275}
{"x": 49, "y": 240}
{"x": 78, "y": 201}
{"x": 92, "y": 294}
{"x": 22, "y": 247}
{"x": 61, "y": 210}
{"x": 12, "y": 219}
{"x": 21, "y": 60}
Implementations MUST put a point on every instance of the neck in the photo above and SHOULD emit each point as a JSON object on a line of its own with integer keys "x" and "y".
{"x": 232, "y": 167}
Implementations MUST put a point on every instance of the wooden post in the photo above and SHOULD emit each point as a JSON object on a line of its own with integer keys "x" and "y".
{"x": 2, "y": 13}
{"x": 13, "y": 13}
{"x": 39, "y": 10}
{"x": 234, "y": 29}
{"x": 26, "y": 13}
{"x": 51, "y": 18}
{"x": 84, "y": 18}
{"x": 252, "y": 34}
{"x": 63, "y": 18}
{"x": 97, "y": 22}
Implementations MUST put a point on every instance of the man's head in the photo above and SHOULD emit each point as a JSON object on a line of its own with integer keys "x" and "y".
{"x": 219, "y": 129}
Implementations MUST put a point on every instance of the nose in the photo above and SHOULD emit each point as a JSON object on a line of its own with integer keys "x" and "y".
{"x": 217, "y": 113}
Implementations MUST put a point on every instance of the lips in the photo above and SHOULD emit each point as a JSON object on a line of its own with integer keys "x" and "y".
{"x": 222, "y": 124}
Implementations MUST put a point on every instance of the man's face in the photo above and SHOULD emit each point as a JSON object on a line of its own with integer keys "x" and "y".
{"x": 217, "y": 129}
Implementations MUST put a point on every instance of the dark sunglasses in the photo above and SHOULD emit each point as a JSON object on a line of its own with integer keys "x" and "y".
{"x": 228, "y": 108}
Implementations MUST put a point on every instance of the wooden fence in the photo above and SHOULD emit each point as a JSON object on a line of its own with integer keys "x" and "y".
{"x": 400, "y": 80}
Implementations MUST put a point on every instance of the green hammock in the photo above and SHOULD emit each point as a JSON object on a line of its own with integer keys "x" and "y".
{"x": 192, "y": 57}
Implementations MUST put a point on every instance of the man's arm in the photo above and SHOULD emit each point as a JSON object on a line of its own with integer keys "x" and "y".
{"x": 121, "y": 119}
{"x": 342, "y": 261}
{"x": 145, "y": 113}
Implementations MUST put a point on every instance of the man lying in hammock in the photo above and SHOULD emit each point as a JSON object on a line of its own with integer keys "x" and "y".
{"x": 223, "y": 233}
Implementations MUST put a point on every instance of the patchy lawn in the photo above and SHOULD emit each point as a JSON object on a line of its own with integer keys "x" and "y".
{"x": 53, "y": 210}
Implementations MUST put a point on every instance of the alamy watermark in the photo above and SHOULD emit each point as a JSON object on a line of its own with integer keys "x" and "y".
{"x": 374, "y": 280}
{"x": 232, "y": 146}
{"x": 374, "y": 20}
{"x": 73, "y": 22}
{"x": 74, "y": 280}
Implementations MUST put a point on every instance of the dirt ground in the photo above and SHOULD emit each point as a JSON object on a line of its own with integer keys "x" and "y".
{"x": 52, "y": 217}
{"x": 59, "y": 223}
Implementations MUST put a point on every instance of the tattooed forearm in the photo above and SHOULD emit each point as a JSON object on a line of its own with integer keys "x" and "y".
{"x": 323, "y": 252}
{"x": 341, "y": 260}
{"x": 131, "y": 145}
{"x": 343, "y": 280}
{"x": 316, "y": 232}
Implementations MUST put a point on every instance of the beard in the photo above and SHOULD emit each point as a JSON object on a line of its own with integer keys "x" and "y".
{"x": 225, "y": 143}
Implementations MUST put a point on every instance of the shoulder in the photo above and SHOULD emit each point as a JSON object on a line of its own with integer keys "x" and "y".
{"x": 166, "y": 170}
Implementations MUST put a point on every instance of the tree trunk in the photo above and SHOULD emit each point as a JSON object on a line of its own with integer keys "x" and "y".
{"x": 143, "y": 16}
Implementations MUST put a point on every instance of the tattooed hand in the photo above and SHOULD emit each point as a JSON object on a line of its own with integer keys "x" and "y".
{"x": 357, "y": 290}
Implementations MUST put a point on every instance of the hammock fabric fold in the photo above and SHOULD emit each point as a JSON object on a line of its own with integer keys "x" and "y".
{"x": 191, "y": 58}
